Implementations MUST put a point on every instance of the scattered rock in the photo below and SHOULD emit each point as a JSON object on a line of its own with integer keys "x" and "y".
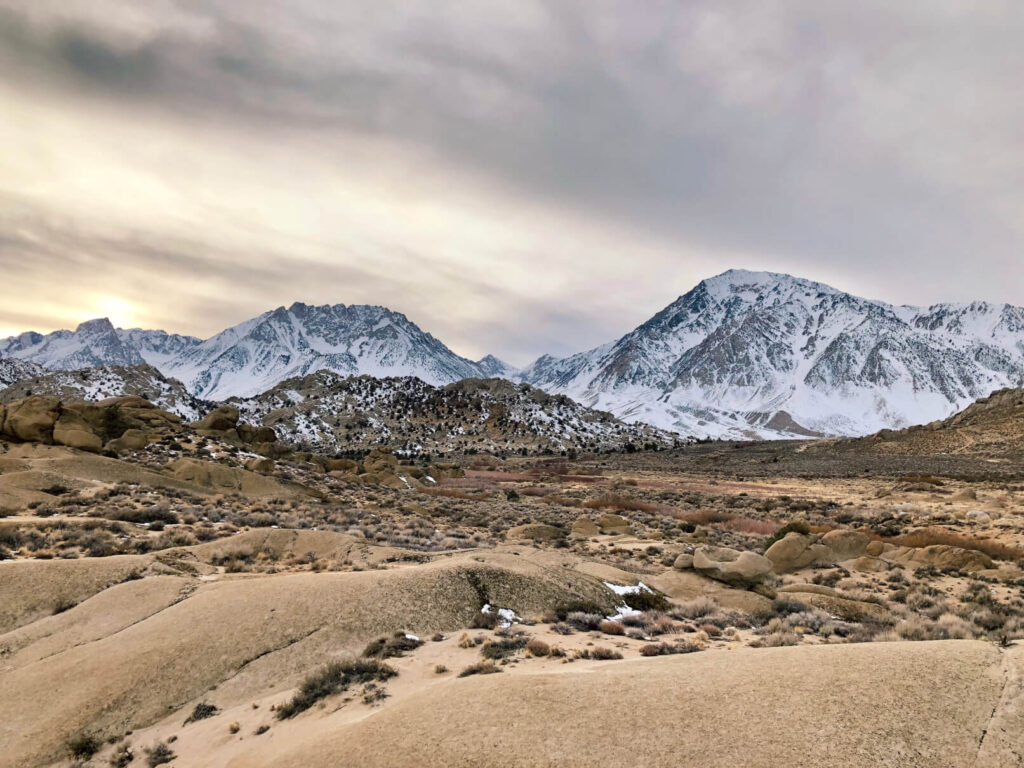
{"x": 730, "y": 566}
{"x": 262, "y": 465}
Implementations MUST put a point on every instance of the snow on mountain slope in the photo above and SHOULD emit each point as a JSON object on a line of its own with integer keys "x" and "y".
{"x": 12, "y": 370}
{"x": 95, "y": 342}
{"x": 256, "y": 355}
{"x": 757, "y": 354}
{"x": 328, "y": 412}
{"x": 491, "y": 367}
{"x": 101, "y": 382}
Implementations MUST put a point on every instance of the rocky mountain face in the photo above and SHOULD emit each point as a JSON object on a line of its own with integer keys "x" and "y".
{"x": 284, "y": 343}
{"x": 12, "y": 370}
{"x": 750, "y": 354}
{"x": 95, "y": 342}
{"x": 107, "y": 381}
{"x": 254, "y": 356}
{"x": 326, "y": 412}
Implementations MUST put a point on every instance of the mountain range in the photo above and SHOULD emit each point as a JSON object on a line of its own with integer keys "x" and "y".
{"x": 741, "y": 355}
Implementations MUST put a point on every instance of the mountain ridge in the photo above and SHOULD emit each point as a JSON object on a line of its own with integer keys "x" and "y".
{"x": 741, "y": 355}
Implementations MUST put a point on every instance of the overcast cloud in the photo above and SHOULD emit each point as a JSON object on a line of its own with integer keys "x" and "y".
{"x": 533, "y": 178}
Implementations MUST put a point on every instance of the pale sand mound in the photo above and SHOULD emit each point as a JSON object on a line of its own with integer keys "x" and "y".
{"x": 244, "y": 635}
{"x": 33, "y": 589}
{"x": 883, "y": 704}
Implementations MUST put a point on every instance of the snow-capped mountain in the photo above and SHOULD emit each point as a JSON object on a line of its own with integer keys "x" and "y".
{"x": 491, "y": 367}
{"x": 328, "y": 412}
{"x": 256, "y": 355}
{"x": 756, "y": 354}
{"x": 95, "y": 342}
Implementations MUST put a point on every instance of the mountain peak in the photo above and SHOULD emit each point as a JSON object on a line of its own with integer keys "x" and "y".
{"x": 96, "y": 326}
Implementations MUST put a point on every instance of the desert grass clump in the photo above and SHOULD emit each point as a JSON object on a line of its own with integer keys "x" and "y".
{"x": 392, "y": 647}
{"x": 611, "y": 628}
{"x": 201, "y": 711}
{"x": 697, "y": 608}
{"x": 584, "y": 622}
{"x": 83, "y": 746}
{"x": 122, "y": 756}
{"x": 480, "y": 668}
{"x": 502, "y": 649}
{"x": 159, "y": 754}
{"x": 538, "y": 647}
{"x": 331, "y": 679}
{"x": 601, "y": 653}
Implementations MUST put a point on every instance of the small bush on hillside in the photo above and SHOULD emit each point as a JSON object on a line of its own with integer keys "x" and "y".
{"x": 604, "y": 654}
{"x": 612, "y": 628}
{"x": 334, "y": 678}
{"x": 392, "y": 647}
{"x": 538, "y": 647}
{"x": 83, "y": 746}
{"x": 646, "y": 601}
{"x": 584, "y": 622}
{"x": 202, "y": 711}
{"x": 122, "y": 756}
{"x": 480, "y": 668}
{"x": 563, "y": 610}
{"x": 501, "y": 649}
{"x": 159, "y": 754}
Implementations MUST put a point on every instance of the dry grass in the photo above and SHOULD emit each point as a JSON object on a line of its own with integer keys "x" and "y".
{"x": 749, "y": 525}
{"x": 452, "y": 493}
{"x": 621, "y": 504}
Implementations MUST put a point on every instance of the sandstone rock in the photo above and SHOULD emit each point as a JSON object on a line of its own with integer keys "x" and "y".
{"x": 131, "y": 440}
{"x": 612, "y": 525}
{"x": 940, "y": 556}
{"x": 730, "y": 566}
{"x": 869, "y": 564}
{"x": 346, "y": 466}
{"x": 31, "y": 420}
{"x": 535, "y": 532}
{"x": 683, "y": 563}
{"x": 380, "y": 460}
{"x": 584, "y": 528}
{"x": 795, "y": 551}
{"x": 205, "y": 473}
{"x": 847, "y": 609}
{"x": 261, "y": 465}
{"x": 874, "y": 548}
{"x": 73, "y": 431}
{"x": 265, "y": 435}
{"x": 220, "y": 419}
{"x": 846, "y": 544}
{"x": 977, "y": 516}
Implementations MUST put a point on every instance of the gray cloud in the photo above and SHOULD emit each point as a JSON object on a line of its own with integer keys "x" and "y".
{"x": 874, "y": 146}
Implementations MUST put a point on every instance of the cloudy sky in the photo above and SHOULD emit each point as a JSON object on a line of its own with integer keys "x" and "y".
{"x": 517, "y": 178}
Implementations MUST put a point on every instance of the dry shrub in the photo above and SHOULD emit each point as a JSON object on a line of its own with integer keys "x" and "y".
{"x": 612, "y": 628}
{"x": 452, "y": 493}
{"x": 927, "y": 537}
{"x": 702, "y": 516}
{"x": 480, "y": 668}
{"x": 696, "y": 608}
{"x": 538, "y": 647}
{"x": 604, "y": 654}
{"x": 621, "y": 503}
{"x": 749, "y": 525}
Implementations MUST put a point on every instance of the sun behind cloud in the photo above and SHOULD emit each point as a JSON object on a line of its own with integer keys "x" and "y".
{"x": 121, "y": 313}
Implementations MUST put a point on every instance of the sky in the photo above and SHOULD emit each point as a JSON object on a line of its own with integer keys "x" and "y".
{"x": 518, "y": 179}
